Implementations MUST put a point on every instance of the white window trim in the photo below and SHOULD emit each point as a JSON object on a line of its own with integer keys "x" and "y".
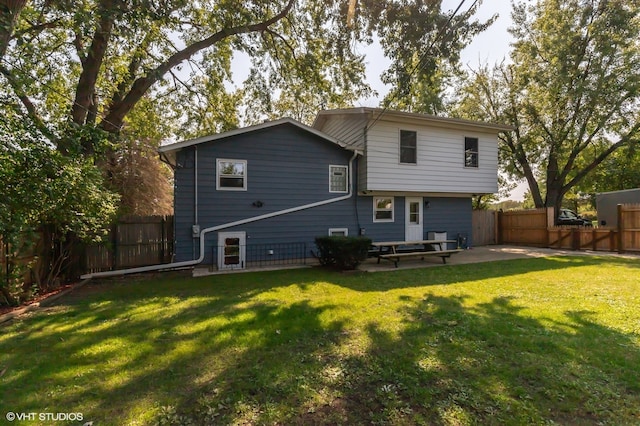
{"x": 346, "y": 175}
{"x": 393, "y": 203}
{"x": 400, "y": 147}
{"x": 231, "y": 160}
{"x": 345, "y": 230}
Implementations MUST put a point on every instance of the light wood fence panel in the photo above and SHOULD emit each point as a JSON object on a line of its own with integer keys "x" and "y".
{"x": 579, "y": 238}
{"x": 524, "y": 227}
{"x": 629, "y": 225}
{"x": 485, "y": 231}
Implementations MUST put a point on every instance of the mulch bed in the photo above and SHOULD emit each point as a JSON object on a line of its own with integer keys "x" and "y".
{"x": 36, "y": 299}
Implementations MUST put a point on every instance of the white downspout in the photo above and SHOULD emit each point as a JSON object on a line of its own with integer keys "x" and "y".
{"x": 195, "y": 195}
{"x": 205, "y": 231}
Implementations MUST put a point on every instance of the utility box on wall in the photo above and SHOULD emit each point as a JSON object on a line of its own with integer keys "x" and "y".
{"x": 437, "y": 236}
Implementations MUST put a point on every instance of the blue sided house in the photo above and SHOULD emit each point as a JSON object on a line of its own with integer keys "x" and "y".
{"x": 270, "y": 189}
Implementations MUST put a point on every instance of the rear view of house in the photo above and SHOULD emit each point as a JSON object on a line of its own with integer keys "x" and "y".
{"x": 270, "y": 189}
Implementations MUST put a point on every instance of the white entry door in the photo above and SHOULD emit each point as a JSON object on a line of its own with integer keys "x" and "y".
{"x": 413, "y": 219}
{"x": 232, "y": 250}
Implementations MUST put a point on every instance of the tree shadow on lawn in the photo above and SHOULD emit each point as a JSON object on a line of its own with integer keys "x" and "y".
{"x": 132, "y": 364}
{"x": 216, "y": 351}
{"x": 449, "y": 364}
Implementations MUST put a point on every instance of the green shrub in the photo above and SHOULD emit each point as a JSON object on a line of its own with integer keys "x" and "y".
{"x": 342, "y": 252}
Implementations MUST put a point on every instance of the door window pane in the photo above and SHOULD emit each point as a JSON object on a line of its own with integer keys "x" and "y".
{"x": 414, "y": 213}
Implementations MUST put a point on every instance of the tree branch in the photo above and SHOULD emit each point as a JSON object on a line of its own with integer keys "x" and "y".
{"x": 93, "y": 62}
{"x": 599, "y": 159}
{"x": 77, "y": 43}
{"x": 36, "y": 28}
{"x": 9, "y": 11}
{"x": 118, "y": 110}
{"x": 27, "y": 103}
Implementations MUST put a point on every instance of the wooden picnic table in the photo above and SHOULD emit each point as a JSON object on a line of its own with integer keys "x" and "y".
{"x": 390, "y": 250}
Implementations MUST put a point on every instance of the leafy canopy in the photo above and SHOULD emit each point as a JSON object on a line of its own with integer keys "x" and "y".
{"x": 572, "y": 92}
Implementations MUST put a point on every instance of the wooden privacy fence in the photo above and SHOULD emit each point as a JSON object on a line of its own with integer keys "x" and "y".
{"x": 133, "y": 241}
{"x": 485, "y": 229}
{"x": 525, "y": 227}
{"x": 536, "y": 228}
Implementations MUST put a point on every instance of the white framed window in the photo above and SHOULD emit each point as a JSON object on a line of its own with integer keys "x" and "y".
{"x": 471, "y": 152}
{"x": 338, "y": 232}
{"x": 383, "y": 209}
{"x": 338, "y": 179}
{"x": 408, "y": 147}
{"x": 231, "y": 175}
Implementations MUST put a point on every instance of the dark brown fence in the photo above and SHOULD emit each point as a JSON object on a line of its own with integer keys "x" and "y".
{"x": 24, "y": 257}
{"x": 132, "y": 242}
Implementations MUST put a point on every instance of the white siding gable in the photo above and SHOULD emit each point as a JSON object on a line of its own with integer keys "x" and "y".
{"x": 440, "y": 164}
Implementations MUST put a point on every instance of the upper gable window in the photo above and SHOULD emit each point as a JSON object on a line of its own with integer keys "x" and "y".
{"x": 338, "y": 179}
{"x": 231, "y": 175}
{"x": 471, "y": 152}
{"x": 408, "y": 147}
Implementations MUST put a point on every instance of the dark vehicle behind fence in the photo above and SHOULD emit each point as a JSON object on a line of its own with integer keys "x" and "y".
{"x": 569, "y": 217}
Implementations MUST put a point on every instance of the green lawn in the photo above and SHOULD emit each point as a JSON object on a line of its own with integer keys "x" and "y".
{"x": 536, "y": 341}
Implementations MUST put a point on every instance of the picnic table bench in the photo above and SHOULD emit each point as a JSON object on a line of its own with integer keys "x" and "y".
{"x": 396, "y": 250}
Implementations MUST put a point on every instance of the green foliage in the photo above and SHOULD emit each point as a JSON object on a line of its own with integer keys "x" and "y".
{"x": 303, "y": 56}
{"x": 571, "y": 91}
{"x": 424, "y": 47}
{"x": 342, "y": 252}
{"x": 47, "y": 199}
{"x": 621, "y": 170}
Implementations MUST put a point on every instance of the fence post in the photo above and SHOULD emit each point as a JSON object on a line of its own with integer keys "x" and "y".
{"x": 499, "y": 231}
{"x": 575, "y": 239}
{"x": 620, "y": 230}
{"x": 163, "y": 238}
{"x": 114, "y": 242}
{"x": 612, "y": 240}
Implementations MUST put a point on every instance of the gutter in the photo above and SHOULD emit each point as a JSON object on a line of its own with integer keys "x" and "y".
{"x": 203, "y": 232}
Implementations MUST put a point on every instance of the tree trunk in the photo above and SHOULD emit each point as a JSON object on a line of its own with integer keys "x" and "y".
{"x": 555, "y": 195}
{"x": 9, "y": 11}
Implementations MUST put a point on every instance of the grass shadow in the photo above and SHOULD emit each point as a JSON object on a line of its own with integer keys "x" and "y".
{"x": 434, "y": 346}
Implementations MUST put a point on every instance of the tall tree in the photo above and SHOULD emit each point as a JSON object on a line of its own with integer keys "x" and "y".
{"x": 75, "y": 63}
{"x": 572, "y": 92}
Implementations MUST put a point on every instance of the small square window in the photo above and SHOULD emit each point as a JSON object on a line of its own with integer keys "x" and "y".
{"x": 383, "y": 209}
{"x": 408, "y": 147}
{"x": 338, "y": 179}
{"x": 471, "y": 152}
{"x": 231, "y": 175}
